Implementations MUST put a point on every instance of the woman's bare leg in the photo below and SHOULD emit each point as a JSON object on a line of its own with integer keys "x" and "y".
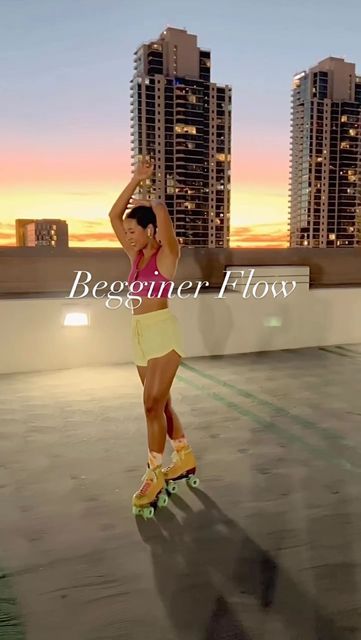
{"x": 158, "y": 381}
{"x": 174, "y": 426}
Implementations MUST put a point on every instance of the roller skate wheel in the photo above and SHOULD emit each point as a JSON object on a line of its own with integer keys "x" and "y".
{"x": 172, "y": 487}
{"x": 148, "y": 512}
{"x": 162, "y": 500}
{"x": 192, "y": 481}
{"x": 137, "y": 511}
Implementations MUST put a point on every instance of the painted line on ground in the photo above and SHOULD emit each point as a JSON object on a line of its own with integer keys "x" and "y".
{"x": 272, "y": 427}
{"x": 329, "y": 435}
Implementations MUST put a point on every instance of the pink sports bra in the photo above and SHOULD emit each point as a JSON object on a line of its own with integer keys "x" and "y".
{"x": 154, "y": 283}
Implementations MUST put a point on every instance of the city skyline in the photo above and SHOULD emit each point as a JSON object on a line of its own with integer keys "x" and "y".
{"x": 65, "y": 125}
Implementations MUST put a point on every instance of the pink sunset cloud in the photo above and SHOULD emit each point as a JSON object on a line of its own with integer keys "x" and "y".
{"x": 36, "y": 165}
{"x": 264, "y": 165}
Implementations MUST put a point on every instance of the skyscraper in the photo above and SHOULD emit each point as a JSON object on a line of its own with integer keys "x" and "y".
{"x": 325, "y": 181}
{"x": 182, "y": 121}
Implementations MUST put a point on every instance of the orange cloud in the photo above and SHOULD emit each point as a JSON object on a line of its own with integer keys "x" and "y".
{"x": 258, "y": 215}
{"x": 7, "y": 234}
{"x": 75, "y": 238}
{"x": 92, "y": 233}
{"x": 261, "y": 236}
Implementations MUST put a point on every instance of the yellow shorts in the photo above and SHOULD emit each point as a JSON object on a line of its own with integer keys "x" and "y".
{"x": 154, "y": 334}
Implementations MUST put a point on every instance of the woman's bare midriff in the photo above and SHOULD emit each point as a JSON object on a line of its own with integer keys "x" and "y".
{"x": 166, "y": 266}
{"x": 148, "y": 305}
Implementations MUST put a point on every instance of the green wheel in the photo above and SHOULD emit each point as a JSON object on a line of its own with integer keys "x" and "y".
{"x": 192, "y": 481}
{"x": 148, "y": 512}
{"x": 172, "y": 486}
{"x": 162, "y": 500}
{"x": 137, "y": 511}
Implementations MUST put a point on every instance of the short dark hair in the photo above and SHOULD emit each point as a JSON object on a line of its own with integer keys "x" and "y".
{"x": 143, "y": 215}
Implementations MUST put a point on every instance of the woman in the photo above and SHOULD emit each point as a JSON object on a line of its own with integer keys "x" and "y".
{"x": 147, "y": 235}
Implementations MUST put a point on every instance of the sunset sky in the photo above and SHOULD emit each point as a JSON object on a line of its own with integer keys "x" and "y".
{"x": 65, "y": 104}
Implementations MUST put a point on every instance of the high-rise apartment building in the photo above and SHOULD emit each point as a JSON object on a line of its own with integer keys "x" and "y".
{"x": 182, "y": 121}
{"x": 36, "y": 233}
{"x": 325, "y": 181}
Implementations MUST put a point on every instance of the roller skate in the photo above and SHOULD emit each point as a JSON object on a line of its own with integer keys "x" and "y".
{"x": 183, "y": 467}
{"x": 151, "y": 494}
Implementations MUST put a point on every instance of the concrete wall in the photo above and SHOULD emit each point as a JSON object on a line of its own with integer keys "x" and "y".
{"x": 32, "y": 337}
{"x": 28, "y": 270}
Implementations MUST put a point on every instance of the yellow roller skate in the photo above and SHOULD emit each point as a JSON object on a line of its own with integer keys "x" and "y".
{"x": 183, "y": 467}
{"x": 151, "y": 493}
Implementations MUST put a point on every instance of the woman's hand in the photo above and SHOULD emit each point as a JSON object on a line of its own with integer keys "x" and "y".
{"x": 144, "y": 170}
{"x": 137, "y": 202}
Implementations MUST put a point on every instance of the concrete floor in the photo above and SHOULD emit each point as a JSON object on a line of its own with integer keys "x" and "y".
{"x": 268, "y": 548}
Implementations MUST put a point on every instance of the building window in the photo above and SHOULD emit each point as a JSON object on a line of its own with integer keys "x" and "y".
{"x": 185, "y": 128}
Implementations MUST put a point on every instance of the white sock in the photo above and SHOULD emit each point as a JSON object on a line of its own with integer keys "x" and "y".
{"x": 154, "y": 459}
{"x": 179, "y": 443}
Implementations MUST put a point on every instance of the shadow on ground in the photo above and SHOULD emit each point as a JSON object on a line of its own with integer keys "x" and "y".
{"x": 207, "y": 570}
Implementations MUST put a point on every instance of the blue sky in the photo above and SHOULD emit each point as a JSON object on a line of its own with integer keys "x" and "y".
{"x": 59, "y": 57}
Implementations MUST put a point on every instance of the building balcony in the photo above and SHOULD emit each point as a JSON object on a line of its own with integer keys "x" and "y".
{"x": 189, "y": 154}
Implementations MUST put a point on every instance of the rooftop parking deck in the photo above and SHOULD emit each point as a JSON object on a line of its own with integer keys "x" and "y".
{"x": 268, "y": 547}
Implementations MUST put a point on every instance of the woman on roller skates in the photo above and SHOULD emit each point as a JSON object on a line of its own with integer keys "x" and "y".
{"x": 146, "y": 233}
